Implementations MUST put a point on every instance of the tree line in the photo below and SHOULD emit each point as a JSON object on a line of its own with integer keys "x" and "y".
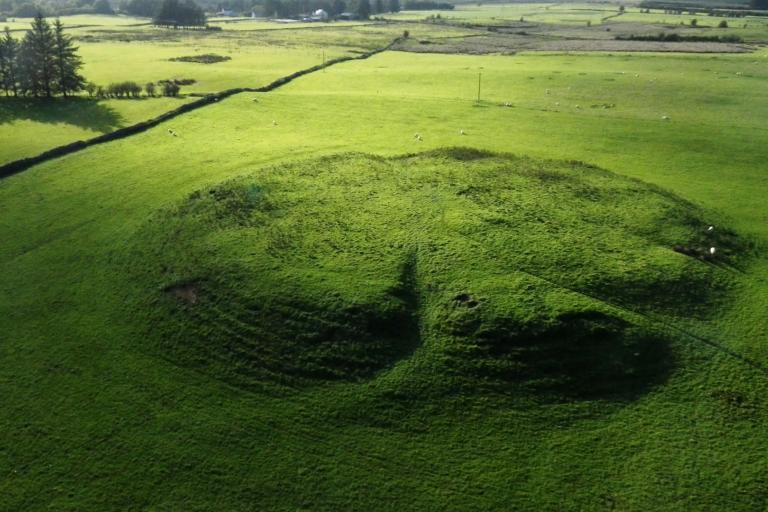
{"x": 28, "y": 9}
{"x": 43, "y": 64}
{"x": 362, "y": 8}
{"x": 179, "y": 14}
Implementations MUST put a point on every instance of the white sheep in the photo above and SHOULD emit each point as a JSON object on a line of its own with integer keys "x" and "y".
{"x": 665, "y": 118}
{"x": 461, "y": 132}
{"x": 710, "y": 229}
{"x": 274, "y": 123}
{"x": 712, "y": 251}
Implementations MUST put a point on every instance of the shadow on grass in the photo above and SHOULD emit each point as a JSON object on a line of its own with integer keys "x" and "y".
{"x": 81, "y": 112}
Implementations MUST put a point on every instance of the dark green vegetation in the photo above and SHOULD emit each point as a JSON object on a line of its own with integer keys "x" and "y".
{"x": 454, "y": 272}
{"x": 207, "y": 58}
{"x": 44, "y": 63}
{"x": 179, "y": 14}
{"x": 677, "y": 38}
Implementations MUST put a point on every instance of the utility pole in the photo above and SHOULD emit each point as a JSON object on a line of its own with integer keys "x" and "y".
{"x": 479, "y": 79}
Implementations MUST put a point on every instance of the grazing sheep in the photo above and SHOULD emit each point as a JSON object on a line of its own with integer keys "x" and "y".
{"x": 557, "y": 103}
{"x": 547, "y": 91}
{"x": 712, "y": 251}
{"x": 578, "y": 107}
{"x": 461, "y": 132}
{"x": 665, "y": 118}
{"x": 255, "y": 100}
{"x": 710, "y": 229}
{"x": 274, "y": 123}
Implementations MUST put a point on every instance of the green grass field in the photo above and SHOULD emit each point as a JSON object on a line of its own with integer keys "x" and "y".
{"x": 305, "y": 302}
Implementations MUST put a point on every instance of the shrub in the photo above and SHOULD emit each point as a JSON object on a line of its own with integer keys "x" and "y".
{"x": 149, "y": 88}
{"x": 124, "y": 90}
{"x": 171, "y": 89}
{"x": 722, "y": 24}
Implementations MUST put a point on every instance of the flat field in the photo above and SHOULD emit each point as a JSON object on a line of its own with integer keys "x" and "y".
{"x": 277, "y": 309}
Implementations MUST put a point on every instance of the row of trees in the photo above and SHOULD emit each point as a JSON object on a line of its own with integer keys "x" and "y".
{"x": 131, "y": 89}
{"x": 45, "y": 62}
{"x": 28, "y": 9}
{"x": 362, "y": 8}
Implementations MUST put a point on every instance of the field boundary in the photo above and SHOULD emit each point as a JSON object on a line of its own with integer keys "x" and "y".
{"x": 17, "y": 166}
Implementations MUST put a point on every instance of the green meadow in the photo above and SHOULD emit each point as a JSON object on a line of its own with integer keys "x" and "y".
{"x": 370, "y": 289}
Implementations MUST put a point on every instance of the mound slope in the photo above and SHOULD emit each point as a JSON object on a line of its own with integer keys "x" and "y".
{"x": 431, "y": 273}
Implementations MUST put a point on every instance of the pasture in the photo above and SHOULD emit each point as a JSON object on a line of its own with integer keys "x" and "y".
{"x": 303, "y": 301}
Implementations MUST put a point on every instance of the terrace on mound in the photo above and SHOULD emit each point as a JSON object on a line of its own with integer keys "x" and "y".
{"x": 463, "y": 270}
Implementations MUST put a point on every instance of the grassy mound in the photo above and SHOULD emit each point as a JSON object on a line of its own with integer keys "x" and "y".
{"x": 431, "y": 273}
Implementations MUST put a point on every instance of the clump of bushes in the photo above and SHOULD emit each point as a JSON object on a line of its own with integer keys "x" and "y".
{"x": 131, "y": 89}
{"x": 208, "y": 58}
{"x": 677, "y": 38}
{"x": 126, "y": 89}
{"x": 170, "y": 88}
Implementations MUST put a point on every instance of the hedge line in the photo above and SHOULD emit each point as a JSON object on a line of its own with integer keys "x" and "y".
{"x": 23, "y": 164}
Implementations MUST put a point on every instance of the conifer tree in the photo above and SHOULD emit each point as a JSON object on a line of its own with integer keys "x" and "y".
{"x": 37, "y": 59}
{"x": 67, "y": 63}
{"x": 9, "y": 63}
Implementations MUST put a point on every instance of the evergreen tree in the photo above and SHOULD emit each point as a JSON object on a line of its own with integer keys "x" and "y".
{"x": 9, "y": 63}
{"x": 394, "y": 5}
{"x": 38, "y": 60}
{"x": 378, "y": 6}
{"x": 68, "y": 63}
{"x": 364, "y": 9}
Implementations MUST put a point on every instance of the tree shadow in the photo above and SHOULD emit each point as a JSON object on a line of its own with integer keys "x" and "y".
{"x": 81, "y": 112}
